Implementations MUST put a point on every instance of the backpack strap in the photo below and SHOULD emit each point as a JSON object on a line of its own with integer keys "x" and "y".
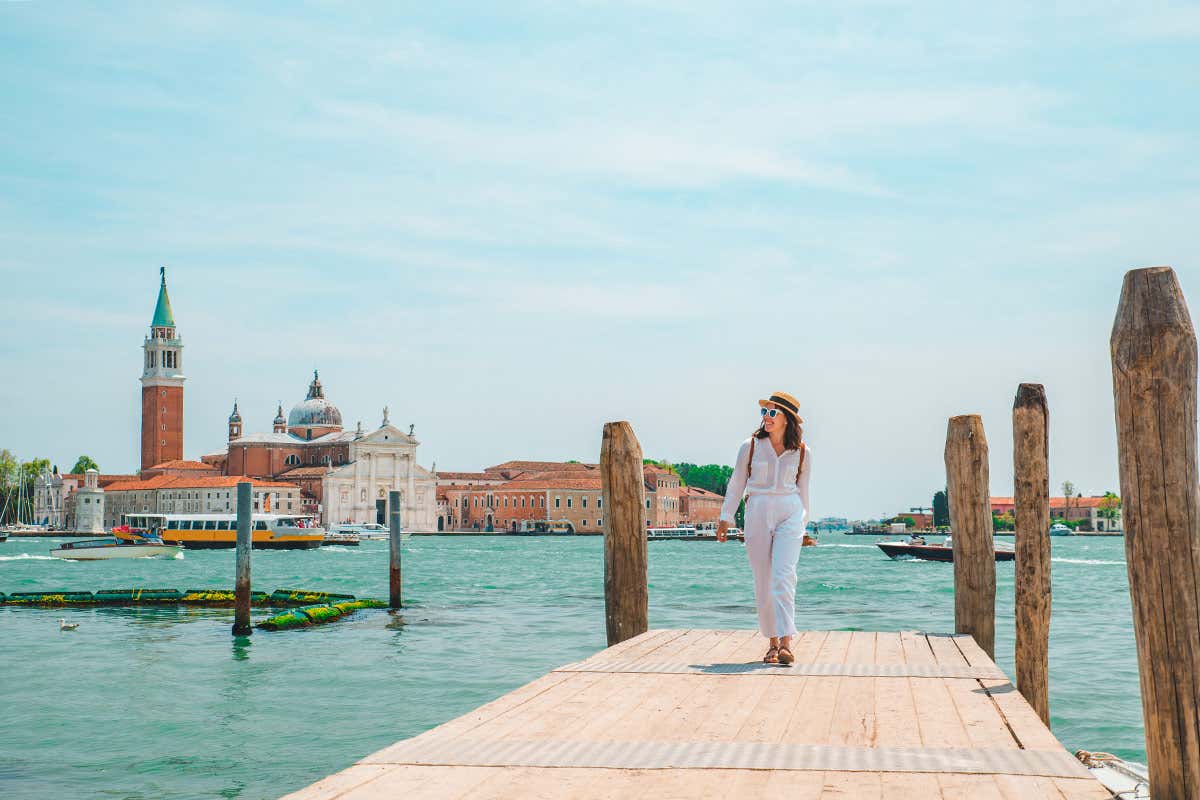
{"x": 800, "y": 466}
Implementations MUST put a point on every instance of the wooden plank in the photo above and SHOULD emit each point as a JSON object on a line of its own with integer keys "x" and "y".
{"x": 771, "y": 732}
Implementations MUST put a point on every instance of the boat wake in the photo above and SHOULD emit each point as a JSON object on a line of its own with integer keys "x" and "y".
{"x": 1087, "y": 561}
{"x": 27, "y": 557}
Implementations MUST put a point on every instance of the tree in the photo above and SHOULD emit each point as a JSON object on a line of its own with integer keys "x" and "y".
{"x": 83, "y": 464}
{"x": 1110, "y": 507}
{"x": 1003, "y": 522}
{"x": 941, "y": 509}
{"x": 713, "y": 477}
{"x": 668, "y": 466}
{"x": 1068, "y": 490}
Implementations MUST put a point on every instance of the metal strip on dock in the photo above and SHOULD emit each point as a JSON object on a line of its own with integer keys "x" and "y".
{"x": 636, "y": 665}
{"x": 735, "y": 755}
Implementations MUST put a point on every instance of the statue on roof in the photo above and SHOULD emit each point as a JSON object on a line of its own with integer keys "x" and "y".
{"x": 385, "y": 416}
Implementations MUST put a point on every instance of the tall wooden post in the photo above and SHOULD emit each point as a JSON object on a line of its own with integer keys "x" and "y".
{"x": 626, "y": 596}
{"x": 1154, "y": 384}
{"x": 394, "y": 582}
{"x": 245, "y": 533}
{"x": 971, "y": 522}
{"x": 1031, "y": 489}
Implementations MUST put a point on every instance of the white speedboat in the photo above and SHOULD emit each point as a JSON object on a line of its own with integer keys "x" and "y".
{"x": 112, "y": 547}
{"x": 363, "y": 530}
{"x": 1058, "y": 529}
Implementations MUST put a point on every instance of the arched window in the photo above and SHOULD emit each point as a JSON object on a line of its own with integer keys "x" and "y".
{"x": 292, "y": 460}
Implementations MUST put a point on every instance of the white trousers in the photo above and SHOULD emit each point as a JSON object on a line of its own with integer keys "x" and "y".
{"x": 774, "y": 536}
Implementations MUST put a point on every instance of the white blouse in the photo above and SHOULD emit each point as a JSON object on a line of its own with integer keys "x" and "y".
{"x": 772, "y": 475}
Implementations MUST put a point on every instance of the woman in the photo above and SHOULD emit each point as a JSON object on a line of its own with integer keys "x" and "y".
{"x": 773, "y": 468}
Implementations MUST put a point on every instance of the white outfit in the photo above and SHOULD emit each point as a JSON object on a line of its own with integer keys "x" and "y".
{"x": 776, "y": 516}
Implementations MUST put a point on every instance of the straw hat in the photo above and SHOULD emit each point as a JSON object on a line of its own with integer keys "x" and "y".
{"x": 786, "y": 402}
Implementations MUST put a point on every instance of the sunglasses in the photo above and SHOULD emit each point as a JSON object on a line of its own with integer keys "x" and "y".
{"x": 770, "y": 412}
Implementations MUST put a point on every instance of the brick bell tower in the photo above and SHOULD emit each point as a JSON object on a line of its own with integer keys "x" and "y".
{"x": 162, "y": 385}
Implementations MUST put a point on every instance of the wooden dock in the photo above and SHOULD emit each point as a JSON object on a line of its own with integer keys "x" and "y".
{"x": 694, "y": 713}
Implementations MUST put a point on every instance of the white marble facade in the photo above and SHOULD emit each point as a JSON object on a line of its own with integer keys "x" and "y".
{"x": 382, "y": 461}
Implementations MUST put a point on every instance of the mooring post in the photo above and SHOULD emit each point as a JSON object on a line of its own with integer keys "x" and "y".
{"x": 1031, "y": 496}
{"x": 971, "y": 525}
{"x": 1153, "y": 348}
{"x": 394, "y": 582}
{"x": 241, "y": 589}
{"x": 626, "y": 596}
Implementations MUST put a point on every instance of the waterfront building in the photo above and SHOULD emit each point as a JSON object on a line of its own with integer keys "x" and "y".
{"x": 162, "y": 385}
{"x": 175, "y": 494}
{"x": 344, "y": 476}
{"x": 54, "y": 497}
{"x": 182, "y": 468}
{"x": 699, "y": 507}
{"x": 1085, "y": 510}
{"x": 89, "y": 504}
{"x": 518, "y": 495}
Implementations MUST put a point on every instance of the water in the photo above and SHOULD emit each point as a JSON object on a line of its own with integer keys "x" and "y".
{"x": 156, "y": 703}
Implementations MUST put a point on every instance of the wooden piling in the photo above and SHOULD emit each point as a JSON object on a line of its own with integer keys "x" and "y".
{"x": 626, "y": 595}
{"x": 395, "y": 583}
{"x": 971, "y": 522}
{"x": 245, "y": 534}
{"x": 1153, "y": 348}
{"x": 1031, "y": 490}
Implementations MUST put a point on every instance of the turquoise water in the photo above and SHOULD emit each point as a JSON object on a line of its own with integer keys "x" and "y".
{"x": 141, "y": 703}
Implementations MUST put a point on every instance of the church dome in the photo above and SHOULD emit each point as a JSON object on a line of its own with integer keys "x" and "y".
{"x": 315, "y": 411}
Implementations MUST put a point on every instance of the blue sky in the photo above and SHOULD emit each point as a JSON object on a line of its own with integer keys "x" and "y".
{"x": 511, "y": 223}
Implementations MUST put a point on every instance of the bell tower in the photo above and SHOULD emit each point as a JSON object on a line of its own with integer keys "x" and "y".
{"x": 162, "y": 385}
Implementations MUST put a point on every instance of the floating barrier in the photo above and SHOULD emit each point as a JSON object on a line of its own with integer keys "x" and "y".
{"x": 130, "y": 596}
{"x": 317, "y": 615}
{"x": 217, "y": 598}
{"x": 220, "y": 597}
{"x": 50, "y": 598}
{"x": 300, "y": 597}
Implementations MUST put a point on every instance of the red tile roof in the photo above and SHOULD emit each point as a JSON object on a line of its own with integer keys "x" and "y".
{"x": 187, "y": 482}
{"x": 1056, "y": 502}
{"x": 696, "y": 491}
{"x": 304, "y": 472}
{"x": 182, "y": 464}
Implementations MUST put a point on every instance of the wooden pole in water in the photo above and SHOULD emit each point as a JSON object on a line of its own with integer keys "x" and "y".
{"x": 394, "y": 582}
{"x": 971, "y": 523}
{"x": 1154, "y": 385}
{"x": 626, "y": 595}
{"x": 1031, "y": 490}
{"x": 241, "y": 589}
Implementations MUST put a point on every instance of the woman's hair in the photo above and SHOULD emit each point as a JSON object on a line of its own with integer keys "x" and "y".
{"x": 791, "y": 434}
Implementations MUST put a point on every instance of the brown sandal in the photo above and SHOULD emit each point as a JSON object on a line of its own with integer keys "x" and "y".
{"x": 772, "y": 656}
{"x": 785, "y": 656}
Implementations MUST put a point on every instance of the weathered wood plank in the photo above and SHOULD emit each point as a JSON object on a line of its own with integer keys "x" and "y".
{"x": 698, "y": 734}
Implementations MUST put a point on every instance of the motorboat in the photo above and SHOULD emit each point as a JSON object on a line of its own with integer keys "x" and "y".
{"x": 342, "y": 538}
{"x": 688, "y": 533}
{"x": 110, "y": 547}
{"x": 809, "y": 540}
{"x": 1127, "y": 780}
{"x": 1058, "y": 529}
{"x": 933, "y": 552}
{"x": 363, "y": 530}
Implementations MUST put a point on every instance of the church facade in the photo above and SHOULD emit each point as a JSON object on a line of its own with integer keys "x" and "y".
{"x": 344, "y": 476}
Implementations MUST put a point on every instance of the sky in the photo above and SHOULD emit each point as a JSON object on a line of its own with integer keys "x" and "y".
{"x": 511, "y": 223}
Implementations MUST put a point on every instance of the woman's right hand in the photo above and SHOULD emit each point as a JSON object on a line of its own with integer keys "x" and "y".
{"x": 722, "y": 530}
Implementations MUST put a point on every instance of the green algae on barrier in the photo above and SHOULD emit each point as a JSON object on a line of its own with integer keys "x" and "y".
{"x": 217, "y": 598}
{"x": 316, "y": 615}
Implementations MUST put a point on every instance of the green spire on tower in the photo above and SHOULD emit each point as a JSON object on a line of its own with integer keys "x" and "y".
{"x": 163, "y": 318}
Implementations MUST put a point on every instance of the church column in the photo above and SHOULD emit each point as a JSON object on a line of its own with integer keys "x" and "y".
{"x": 373, "y": 491}
{"x": 412, "y": 495}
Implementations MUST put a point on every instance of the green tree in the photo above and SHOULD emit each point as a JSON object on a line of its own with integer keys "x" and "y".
{"x": 713, "y": 477}
{"x": 667, "y": 465}
{"x": 1003, "y": 522}
{"x": 1110, "y": 507}
{"x": 941, "y": 509}
{"x": 83, "y": 464}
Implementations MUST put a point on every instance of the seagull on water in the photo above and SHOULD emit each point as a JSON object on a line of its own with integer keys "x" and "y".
{"x": 63, "y": 625}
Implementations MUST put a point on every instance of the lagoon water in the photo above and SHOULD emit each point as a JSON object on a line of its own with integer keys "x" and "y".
{"x": 164, "y": 703}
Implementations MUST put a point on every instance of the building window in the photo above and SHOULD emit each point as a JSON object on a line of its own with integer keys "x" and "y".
{"x": 600, "y": 522}
{"x": 647, "y": 503}
{"x": 599, "y": 502}
{"x": 557, "y": 502}
{"x": 584, "y": 501}
{"x": 542, "y": 502}
{"x": 569, "y": 502}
